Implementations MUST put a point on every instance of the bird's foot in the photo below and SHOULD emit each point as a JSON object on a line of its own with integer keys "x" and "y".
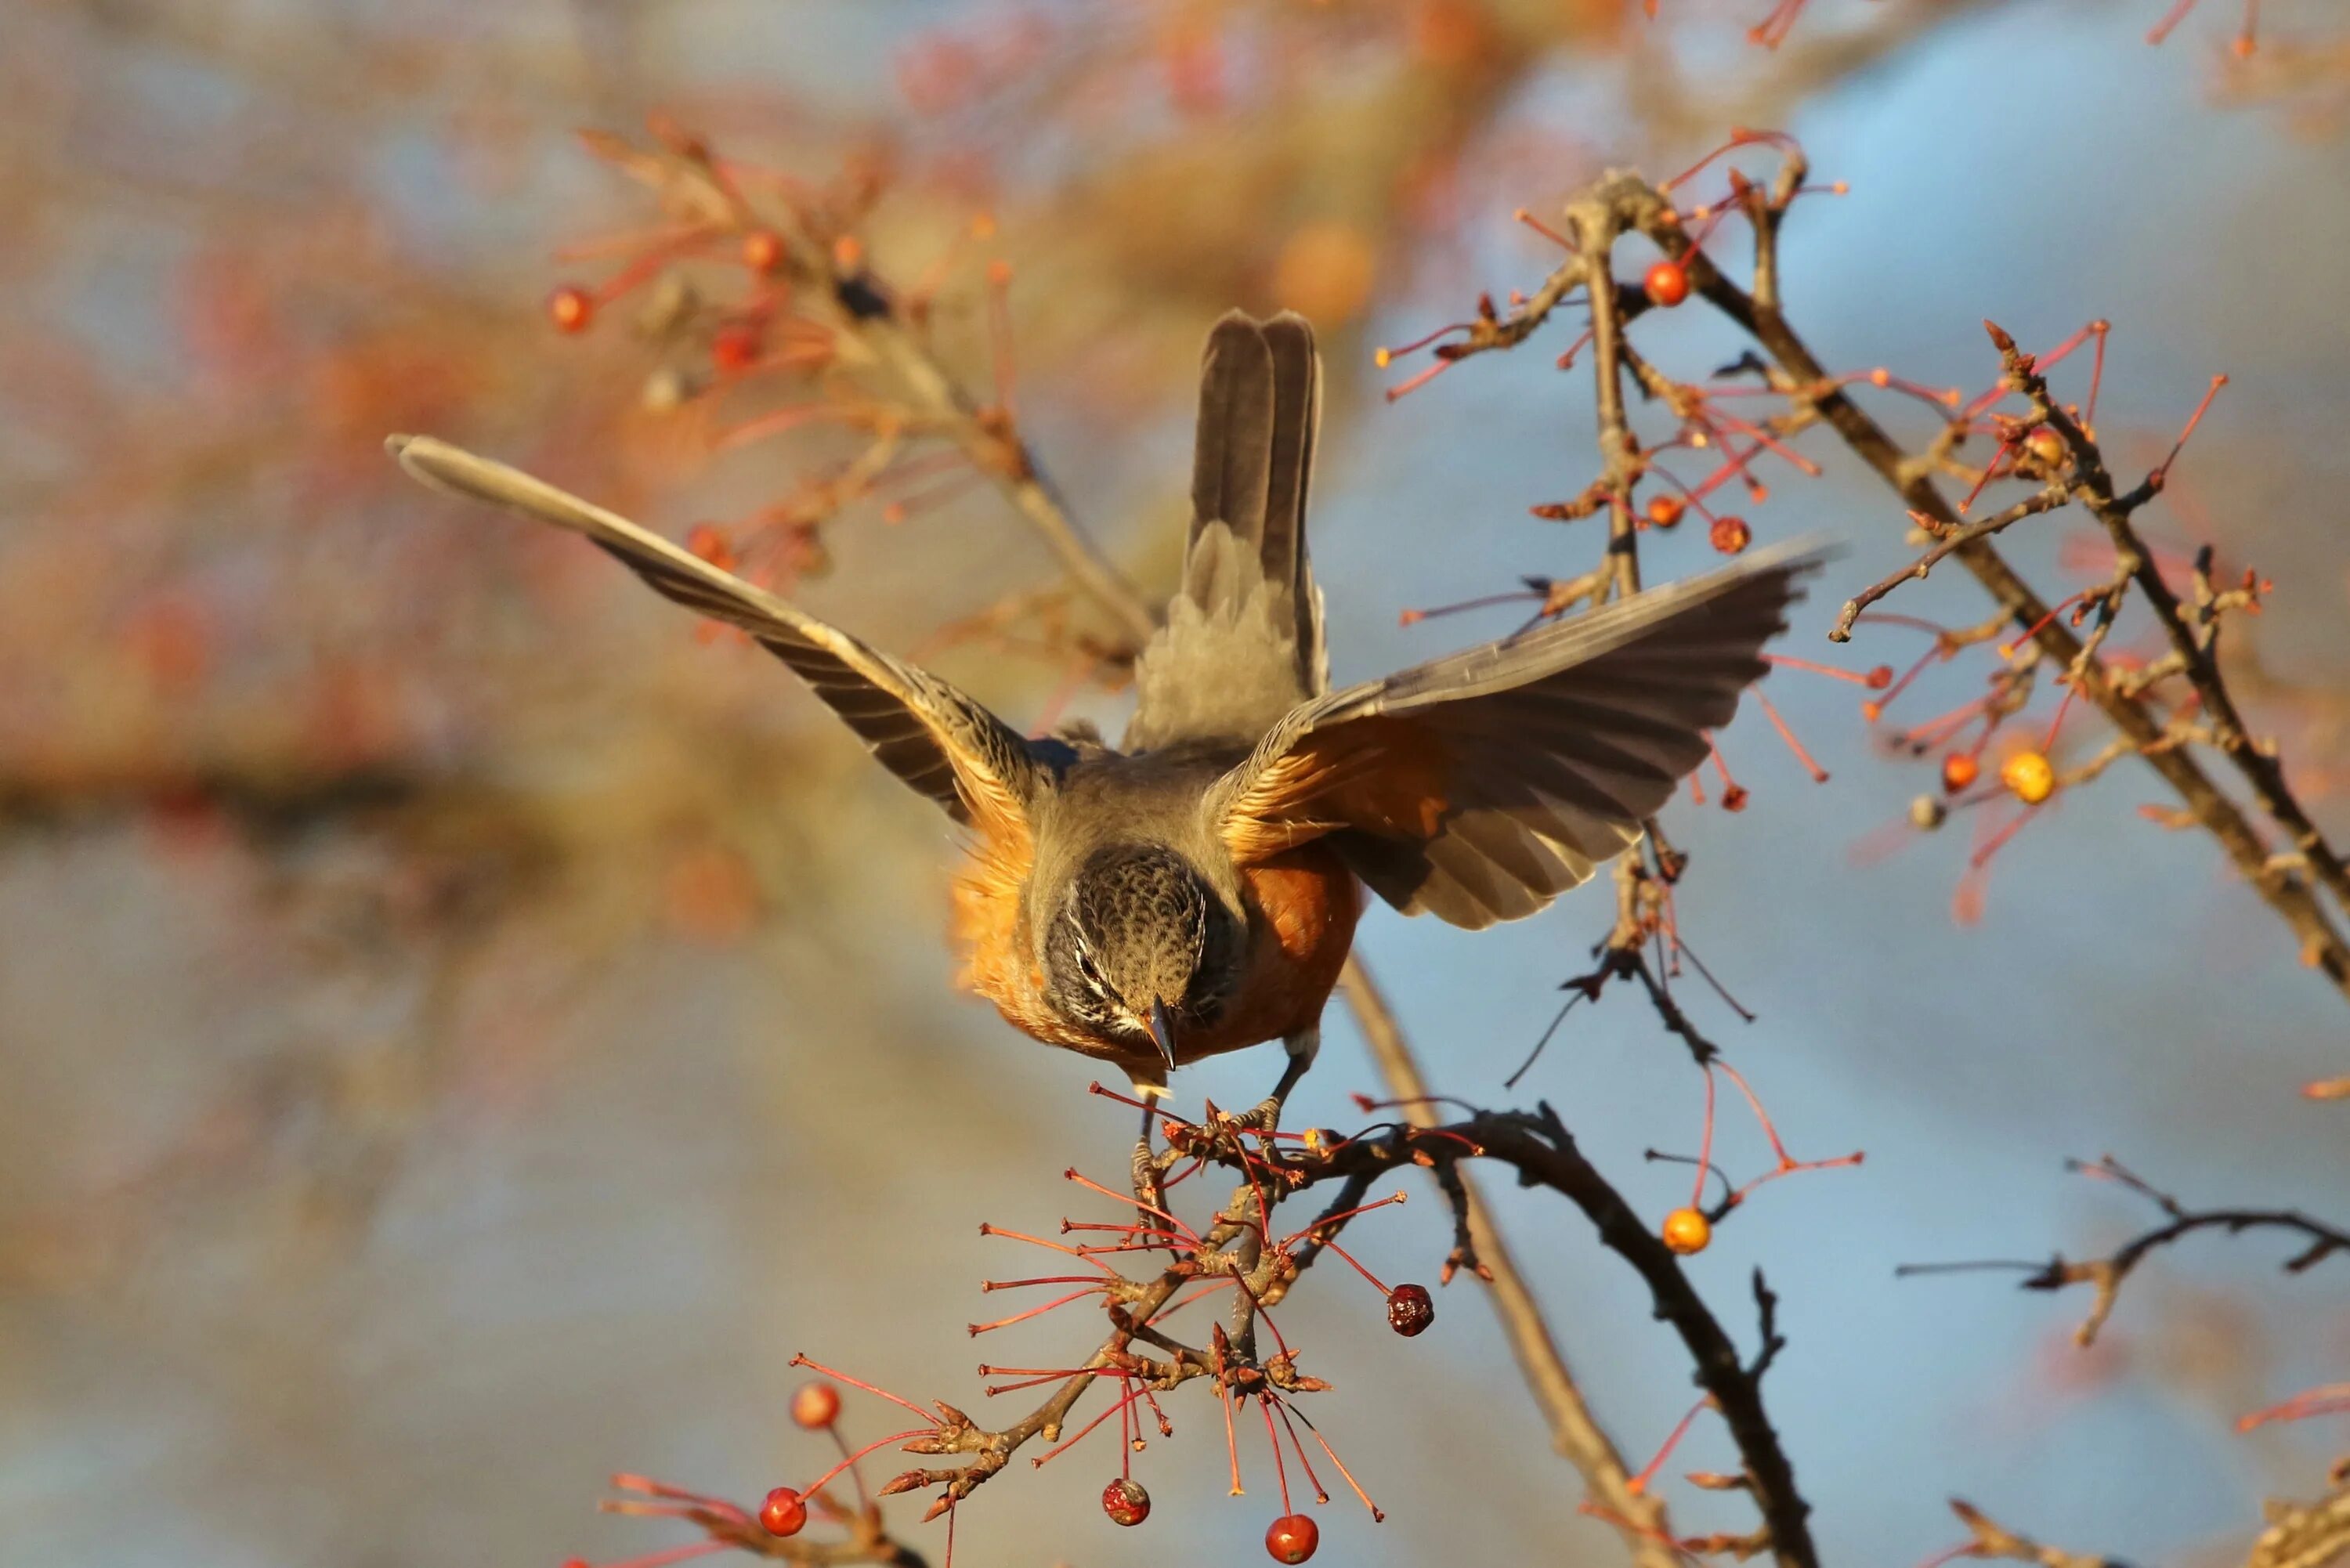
{"x": 1149, "y": 1194}
{"x": 1151, "y": 1168}
{"x": 1265, "y": 1116}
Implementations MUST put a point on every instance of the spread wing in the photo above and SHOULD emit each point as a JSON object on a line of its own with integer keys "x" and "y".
{"x": 933, "y": 736}
{"x": 1482, "y": 785}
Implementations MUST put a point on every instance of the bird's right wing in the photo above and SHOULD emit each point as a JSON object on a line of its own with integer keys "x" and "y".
{"x": 930, "y": 734}
{"x": 1479, "y": 786}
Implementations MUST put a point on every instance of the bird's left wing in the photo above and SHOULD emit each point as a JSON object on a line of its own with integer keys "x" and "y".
{"x": 930, "y": 734}
{"x": 1479, "y": 786}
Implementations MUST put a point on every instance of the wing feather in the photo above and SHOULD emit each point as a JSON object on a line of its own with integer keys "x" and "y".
{"x": 922, "y": 729}
{"x": 1479, "y": 786}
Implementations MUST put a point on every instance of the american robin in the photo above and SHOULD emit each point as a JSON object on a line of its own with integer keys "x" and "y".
{"x": 1195, "y": 889}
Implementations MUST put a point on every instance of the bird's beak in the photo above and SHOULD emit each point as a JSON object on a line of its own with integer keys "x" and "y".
{"x": 1163, "y": 1031}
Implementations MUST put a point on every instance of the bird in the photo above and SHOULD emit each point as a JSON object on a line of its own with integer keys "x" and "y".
{"x": 1195, "y": 889}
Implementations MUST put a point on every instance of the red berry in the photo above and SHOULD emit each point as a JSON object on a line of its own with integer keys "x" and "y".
{"x": 783, "y": 1513}
{"x": 1734, "y": 798}
{"x": 1959, "y": 770}
{"x": 1880, "y": 677}
{"x": 1667, "y": 283}
{"x": 815, "y": 1403}
{"x": 571, "y": 308}
{"x": 1664, "y": 510}
{"x": 709, "y": 542}
{"x": 1292, "y": 1539}
{"x": 763, "y": 251}
{"x": 1410, "y": 1312}
{"x": 1731, "y": 534}
{"x": 2046, "y": 447}
{"x": 737, "y": 346}
{"x": 1126, "y": 1503}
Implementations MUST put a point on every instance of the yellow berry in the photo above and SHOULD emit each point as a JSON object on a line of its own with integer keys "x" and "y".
{"x": 2028, "y": 778}
{"x": 1687, "y": 1231}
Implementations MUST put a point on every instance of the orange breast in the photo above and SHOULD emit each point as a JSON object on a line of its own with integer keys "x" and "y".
{"x": 1305, "y": 906}
{"x": 996, "y": 962}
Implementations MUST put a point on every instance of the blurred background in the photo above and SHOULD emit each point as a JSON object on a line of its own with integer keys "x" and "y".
{"x": 463, "y": 1031}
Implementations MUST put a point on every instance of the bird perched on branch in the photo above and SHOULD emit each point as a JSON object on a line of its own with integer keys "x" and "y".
{"x": 1195, "y": 890}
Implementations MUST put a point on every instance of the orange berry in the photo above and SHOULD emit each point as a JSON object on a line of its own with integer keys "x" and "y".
{"x": 2028, "y": 778}
{"x": 763, "y": 251}
{"x": 1734, "y": 798}
{"x": 1687, "y": 1231}
{"x": 571, "y": 308}
{"x": 1731, "y": 534}
{"x": 1667, "y": 283}
{"x": 709, "y": 542}
{"x": 815, "y": 1404}
{"x": 172, "y": 641}
{"x": 1664, "y": 510}
{"x": 1327, "y": 271}
{"x": 736, "y": 348}
{"x": 1958, "y": 771}
{"x": 2045, "y": 447}
{"x": 784, "y": 1512}
{"x": 1292, "y": 1538}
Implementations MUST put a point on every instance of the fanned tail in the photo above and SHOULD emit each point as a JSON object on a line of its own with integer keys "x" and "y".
{"x": 1259, "y": 411}
{"x": 1243, "y": 639}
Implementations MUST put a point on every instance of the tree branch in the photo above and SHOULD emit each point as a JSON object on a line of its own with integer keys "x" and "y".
{"x": 1574, "y": 1433}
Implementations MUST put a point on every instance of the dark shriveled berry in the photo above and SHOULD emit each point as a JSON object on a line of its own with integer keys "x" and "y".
{"x": 1410, "y": 1312}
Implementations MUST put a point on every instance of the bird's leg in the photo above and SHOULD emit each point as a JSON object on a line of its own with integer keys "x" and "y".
{"x": 1303, "y": 1048}
{"x": 1147, "y": 1189}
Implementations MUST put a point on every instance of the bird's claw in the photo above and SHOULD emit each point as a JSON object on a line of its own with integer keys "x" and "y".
{"x": 1147, "y": 1189}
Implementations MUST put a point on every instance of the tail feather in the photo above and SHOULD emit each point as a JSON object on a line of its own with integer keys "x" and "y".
{"x": 1296, "y": 422}
{"x": 1243, "y": 642}
{"x": 1253, "y": 467}
{"x": 1232, "y": 458}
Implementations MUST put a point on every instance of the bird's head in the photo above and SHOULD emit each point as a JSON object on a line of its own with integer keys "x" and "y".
{"x": 1141, "y": 948}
